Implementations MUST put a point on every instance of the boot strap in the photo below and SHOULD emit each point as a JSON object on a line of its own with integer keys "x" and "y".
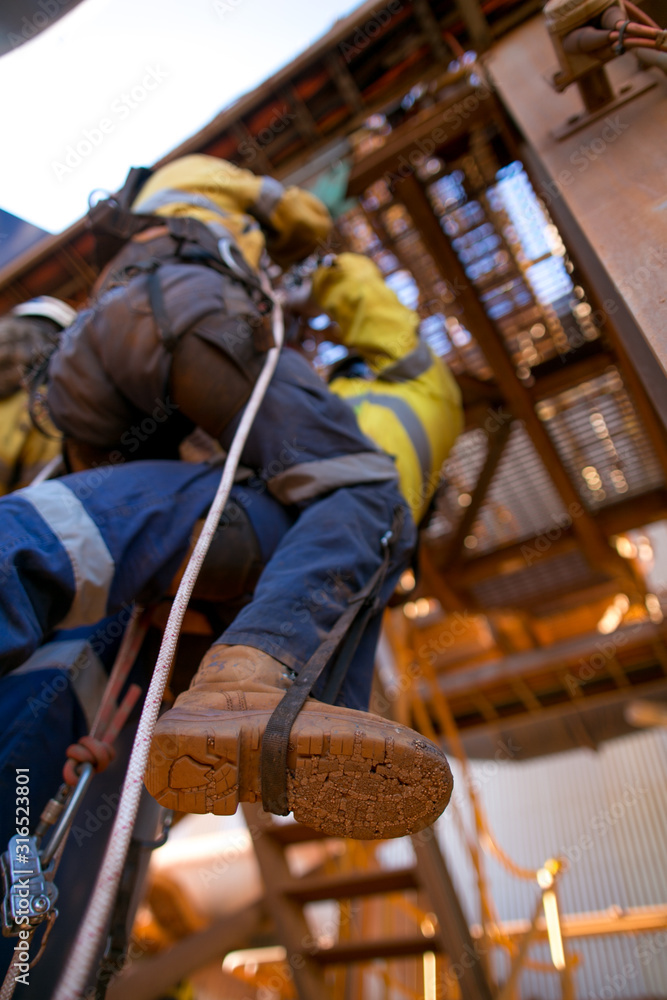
{"x": 278, "y": 729}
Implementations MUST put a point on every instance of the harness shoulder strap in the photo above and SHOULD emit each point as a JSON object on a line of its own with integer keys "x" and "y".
{"x": 112, "y": 222}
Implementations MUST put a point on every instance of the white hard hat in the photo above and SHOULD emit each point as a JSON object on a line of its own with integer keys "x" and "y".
{"x": 44, "y": 305}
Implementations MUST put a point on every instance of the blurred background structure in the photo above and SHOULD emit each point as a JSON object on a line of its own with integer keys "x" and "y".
{"x": 523, "y": 217}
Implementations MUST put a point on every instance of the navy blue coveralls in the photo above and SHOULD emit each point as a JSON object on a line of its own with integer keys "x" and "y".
{"x": 80, "y": 548}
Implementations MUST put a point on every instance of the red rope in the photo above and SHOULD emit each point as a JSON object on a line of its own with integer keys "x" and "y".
{"x": 87, "y": 751}
{"x": 97, "y": 748}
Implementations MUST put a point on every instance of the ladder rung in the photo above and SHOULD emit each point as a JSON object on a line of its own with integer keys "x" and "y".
{"x": 347, "y": 885}
{"x": 365, "y": 951}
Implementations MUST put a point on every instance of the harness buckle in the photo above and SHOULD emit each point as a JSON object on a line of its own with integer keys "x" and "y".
{"x": 232, "y": 259}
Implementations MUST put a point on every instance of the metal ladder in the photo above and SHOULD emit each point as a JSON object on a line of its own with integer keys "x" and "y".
{"x": 286, "y": 895}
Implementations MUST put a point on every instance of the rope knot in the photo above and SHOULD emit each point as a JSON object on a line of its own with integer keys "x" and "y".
{"x": 87, "y": 751}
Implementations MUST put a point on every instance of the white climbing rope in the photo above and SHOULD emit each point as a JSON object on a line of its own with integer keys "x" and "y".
{"x": 94, "y": 924}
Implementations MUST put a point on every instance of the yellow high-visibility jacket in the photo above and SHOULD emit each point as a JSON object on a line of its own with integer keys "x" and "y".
{"x": 411, "y": 407}
{"x": 24, "y": 450}
{"x": 295, "y": 222}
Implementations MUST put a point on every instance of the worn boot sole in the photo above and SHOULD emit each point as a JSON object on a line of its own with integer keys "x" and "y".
{"x": 350, "y": 774}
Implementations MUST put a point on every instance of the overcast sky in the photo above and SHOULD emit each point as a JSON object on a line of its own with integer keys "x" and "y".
{"x": 118, "y": 83}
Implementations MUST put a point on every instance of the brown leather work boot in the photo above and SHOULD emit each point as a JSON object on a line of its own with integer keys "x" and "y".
{"x": 350, "y": 774}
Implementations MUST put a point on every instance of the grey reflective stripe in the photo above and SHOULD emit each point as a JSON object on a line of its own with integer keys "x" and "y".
{"x": 313, "y": 479}
{"x": 91, "y": 561}
{"x": 270, "y": 194}
{"x": 174, "y": 196}
{"x": 86, "y": 673}
{"x": 408, "y": 418}
{"x": 411, "y": 366}
{"x": 227, "y": 246}
{"x": 89, "y": 680}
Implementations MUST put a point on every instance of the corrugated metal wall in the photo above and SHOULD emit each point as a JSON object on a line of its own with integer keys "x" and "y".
{"x": 606, "y": 812}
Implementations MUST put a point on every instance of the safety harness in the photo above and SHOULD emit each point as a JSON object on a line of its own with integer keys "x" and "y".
{"x": 141, "y": 242}
{"x": 187, "y": 240}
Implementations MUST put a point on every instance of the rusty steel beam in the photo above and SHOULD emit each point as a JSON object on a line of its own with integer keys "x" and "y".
{"x": 305, "y": 123}
{"x": 496, "y": 448}
{"x": 608, "y": 307}
{"x": 431, "y": 29}
{"x": 457, "y": 684}
{"x": 615, "y": 920}
{"x": 155, "y": 975}
{"x": 453, "y": 927}
{"x": 578, "y": 712}
{"x": 435, "y": 583}
{"x": 477, "y": 389}
{"x": 476, "y": 24}
{"x": 433, "y": 125}
{"x": 570, "y": 375}
{"x": 615, "y": 520}
{"x": 243, "y": 135}
{"x": 591, "y": 538}
{"x": 341, "y": 76}
{"x": 625, "y": 334}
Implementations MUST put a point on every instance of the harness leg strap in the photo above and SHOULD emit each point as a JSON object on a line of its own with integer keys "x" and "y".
{"x": 277, "y": 733}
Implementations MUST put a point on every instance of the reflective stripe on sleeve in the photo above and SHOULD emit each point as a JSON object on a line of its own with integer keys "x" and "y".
{"x": 173, "y": 196}
{"x": 313, "y": 479}
{"x": 409, "y": 367}
{"x": 92, "y": 564}
{"x": 86, "y": 673}
{"x": 270, "y": 193}
{"x": 408, "y": 419}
